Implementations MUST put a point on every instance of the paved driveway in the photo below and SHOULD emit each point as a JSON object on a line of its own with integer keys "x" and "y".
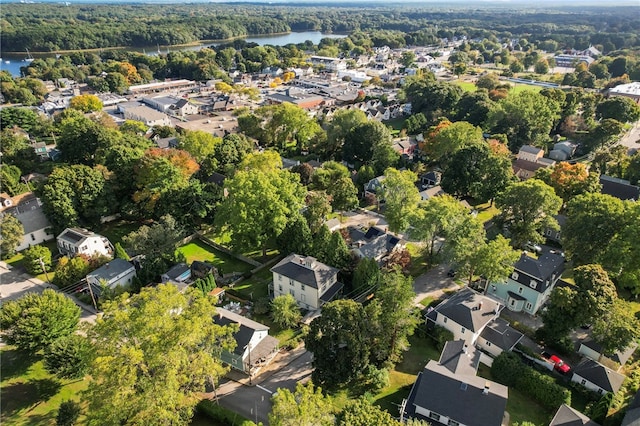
{"x": 433, "y": 283}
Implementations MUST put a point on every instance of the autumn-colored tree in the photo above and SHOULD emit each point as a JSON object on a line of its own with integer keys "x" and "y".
{"x": 86, "y": 103}
{"x": 569, "y": 180}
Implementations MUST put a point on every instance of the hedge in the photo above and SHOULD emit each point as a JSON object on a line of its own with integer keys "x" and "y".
{"x": 221, "y": 414}
{"x": 509, "y": 370}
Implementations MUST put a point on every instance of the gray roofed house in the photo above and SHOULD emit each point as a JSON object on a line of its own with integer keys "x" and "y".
{"x": 619, "y": 188}
{"x": 465, "y": 314}
{"x": 632, "y": 416}
{"x": 567, "y": 416}
{"x": 593, "y": 350}
{"x": 310, "y": 282}
{"x": 118, "y": 272}
{"x": 498, "y": 336}
{"x": 254, "y": 347}
{"x": 531, "y": 282}
{"x": 36, "y": 226}
{"x": 596, "y": 377}
{"x": 179, "y": 275}
{"x": 374, "y": 243}
{"x": 443, "y": 396}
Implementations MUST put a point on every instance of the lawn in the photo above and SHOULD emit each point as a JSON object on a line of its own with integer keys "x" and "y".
{"x": 117, "y": 229}
{"x": 402, "y": 377}
{"x": 468, "y": 86}
{"x": 419, "y": 264}
{"x": 224, "y": 239}
{"x": 256, "y": 286}
{"x": 396, "y": 124}
{"x": 486, "y": 212}
{"x": 519, "y": 406}
{"x": 284, "y": 335}
{"x": 30, "y": 395}
{"x": 198, "y": 250}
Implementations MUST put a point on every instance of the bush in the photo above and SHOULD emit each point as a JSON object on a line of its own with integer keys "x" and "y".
{"x": 510, "y": 371}
{"x": 262, "y": 306}
{"x": 222, "y": 415}
{"x": 35, "y": 257}
{"x": 440, "y": 336}
{"x": 68, "y": 413}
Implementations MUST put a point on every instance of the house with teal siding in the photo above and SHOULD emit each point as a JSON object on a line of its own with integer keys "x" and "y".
{"x": 530, "y": 284}
{"x": 254, "y": 347}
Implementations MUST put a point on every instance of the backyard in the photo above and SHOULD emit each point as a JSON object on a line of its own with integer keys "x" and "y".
{"x": 198, "y": 250}
{"x": 30, "y": 395}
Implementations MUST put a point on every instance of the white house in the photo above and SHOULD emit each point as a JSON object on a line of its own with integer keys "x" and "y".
{"x": 28, "y": 210}
{"x": 596, "y": 377}
{"x": 74, "y": 241}
{"x": 116, "y": 273}
{"x": 310, "y": 282}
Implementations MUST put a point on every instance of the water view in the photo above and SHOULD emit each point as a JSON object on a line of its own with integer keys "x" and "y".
{"x": 12, "y": 63}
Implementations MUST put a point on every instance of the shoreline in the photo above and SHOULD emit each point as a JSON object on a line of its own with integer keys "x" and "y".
{"x": 159, "y": 47}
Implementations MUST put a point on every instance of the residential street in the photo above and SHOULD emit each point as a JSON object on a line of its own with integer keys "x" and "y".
{"x": 433, "y": 283}
{"x": 254, "y": 402}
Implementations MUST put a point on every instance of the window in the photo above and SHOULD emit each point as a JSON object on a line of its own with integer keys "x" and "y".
{"x": 445, "y": 320}
{"x": 488, "y": 344}
{"x": 520, "y": 290}
{"x": 33, "y": 237}
{"x": 494, "y": 288}
{"x": 533, "y": 284}
{"x": 513, "y": 302}
{"x": 583, "y": 382}
{"x": 301, "y": 286}
{"x": 292, "y": 292}
{"x": 280, "y": 287}
{"x": 303, "y": 298}
{"x": 279, "y": 277}
{"x": 453, "y": 423}
{"x": 434, "y": 416}
{"x": 290, "y": 282}
{"x": 514, "y": 275}
{"x": 600, "y": 391}
{"x": 528, "y": 306}
{"x": 462, "y": 330}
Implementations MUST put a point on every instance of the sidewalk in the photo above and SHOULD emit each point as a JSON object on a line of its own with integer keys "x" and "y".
{"x": 281, "y": 360}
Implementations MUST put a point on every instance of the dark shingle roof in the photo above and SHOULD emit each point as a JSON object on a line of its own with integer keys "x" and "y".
{"x": 458, "y": 396}
{"x": 599, "y": 375}
{"x": 501, "y": 334}
{"x": 544, "y": 270}
{"x": 632, "y": 417}
{"x": 111, "y": 270}
{"x": 294, "y": 267}
{"x": 462, "y": 308}
{"x": 619, "y": 188}
{"x": 460, "y": 358}
{"x": 245, "y": 331}
{"x": 621, "y": 357}
{"x": 567, "y": 416}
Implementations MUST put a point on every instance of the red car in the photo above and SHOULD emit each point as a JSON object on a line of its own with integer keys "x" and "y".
{"x": 559, "y": 364}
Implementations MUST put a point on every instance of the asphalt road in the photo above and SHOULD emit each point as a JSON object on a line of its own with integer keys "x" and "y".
{"x": 433, "y": 283}
{"x": 632, "y": 139}
{"x": 254, "y": 402}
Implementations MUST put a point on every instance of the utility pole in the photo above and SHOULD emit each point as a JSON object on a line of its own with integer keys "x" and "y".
{"x": 44, "y": 269}
{"x": 93, "y": 298}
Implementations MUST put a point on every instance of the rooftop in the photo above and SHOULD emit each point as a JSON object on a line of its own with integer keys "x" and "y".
{"x": 111, "y": 270}
{"x": 306, "y": 270}
{"x": 599, "y": 375}
{"x": 469, "y": 309}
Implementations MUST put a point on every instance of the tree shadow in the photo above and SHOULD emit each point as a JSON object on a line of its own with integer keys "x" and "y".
{"x": 14, "y": 363}
{"x": 20, "y": 395}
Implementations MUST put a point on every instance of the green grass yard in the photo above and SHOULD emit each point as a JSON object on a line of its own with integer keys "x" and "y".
{"x": 30, "y": 395}
{"x": 224, "y": 239}
{"x": 198, "y": 250}
{"x": 256, "y": 286}
{"x": 468, "y": 86}
{"x": 118, "y": 229}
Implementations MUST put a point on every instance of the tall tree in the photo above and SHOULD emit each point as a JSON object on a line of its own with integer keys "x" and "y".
{"x": 493, "y": 260}
{"x": 295, "y": 237}
{"x": 401, "y": 198}
{"x": 86, "y": 103}
{"x": 285, "y": 311}
{"x": 569, "y": 180}
{"x": 35, "y": 321}
{"x": 199, "y": 144}
{"x": 259, "y": 206}
{"x": 37, "y": 259}
{"x": 11, "y": 232}
{"x": 287, "y": 124}
{"x": 335, "y": 179}
{"x": 68, "y": 356}
{"x": 361, "y": 412}
{"x": 70, "y": 271}
{"x": 339, "y": 343}
{"x": 305, "y": 406}
{"x": 360, "y": 141}
{"x": 318, "y": 207}
{"x": 157, "y": 242}
{"x": 339, "y": 127}
{"x": 617, "y": 328}
{"x": 153, "y": 354}
{"x": 367, "y": 275}
{"x": 528, "y": 208}
{"x": 622, "y": 256}
{"x": 450, "y": 139}
{"x": 625, "y": 110}
{"x": 397, "y": 320}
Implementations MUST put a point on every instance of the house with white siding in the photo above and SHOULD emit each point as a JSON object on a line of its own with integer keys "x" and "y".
{"x": 74, "y": 241}
{"x": 116, "y": 273}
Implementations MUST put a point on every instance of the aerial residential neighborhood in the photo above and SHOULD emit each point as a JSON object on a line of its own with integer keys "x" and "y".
{"x": 234, "y": 213}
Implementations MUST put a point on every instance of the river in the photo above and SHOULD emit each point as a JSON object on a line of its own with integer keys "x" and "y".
{"x": 12, "y": 63}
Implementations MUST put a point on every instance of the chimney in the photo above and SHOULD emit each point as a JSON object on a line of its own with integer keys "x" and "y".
{"x": 485, "y": 391}
{"x": 480, "y": 305}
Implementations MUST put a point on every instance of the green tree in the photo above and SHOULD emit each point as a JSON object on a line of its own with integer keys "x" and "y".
{"x": 384, "y": 156}
{"x": 541, "y": 67}
{"x": 120, "y": 252}
{"x": 68, "y": 413}
{"x": 415, "y": 123}
{"x": 318, "y": 207}
{"x": 285, "y": 311}
{"x": 604, "y": 134}
{"x": 10, "y": 180}
{"x": 338, "y": 341}
{"x": 453, "y": 138}
{"x": 401, "y": 197}
{"x": 338, "y": 254}
{"x": 70, "y": 271}
{"x": 80, "y": 137}
{"x": 361, "y": 412}
{"x": 527, "y": 209}
{"x": 617, "y": 328}
{"x": 259, "y": 206}
{"x": 86, "y": 103}
{"x": 153, "y": 354}
{"x": 603, "y": 215}
{"x": 134, "y": 127}
{"x": 199, "y": 144}
{"x": 408, "y": 58}
{"x": 295, "y": 237}
{"x": 334, "y": 178}
{"x": 366, "y": 275}
{"x": 287, "y": 124}
{"x": 305, "y": 406}
{"x": 11, "y": 232}
{"x": 488, "y": 81}
{"x": 35, "y": 321}
{"x": 339, "y": 128}
{"x": 68, "y": 356}
{"x": 360, "y": 141}
{"x": 397, "y": 319}
{"x": 526, "y": 118}
{"x": 37, "y": 259}
{"x": 619, "y": 108}
{"x": 493, "y": 260}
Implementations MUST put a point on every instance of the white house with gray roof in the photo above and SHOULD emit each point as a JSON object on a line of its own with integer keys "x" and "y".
{"x": 116, "y": 273}
{"x": 448, "y": 392}
{"x": 74, "y": 241}
{"x": 530, "y": 284}
{"x": 596, "y": 377}
{"x": 310, "y": 282}
{"x": 28, "y": 210}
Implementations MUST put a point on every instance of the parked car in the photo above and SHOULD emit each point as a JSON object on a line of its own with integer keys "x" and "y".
{"x": 558, "y": 364}
{"x": 451, "y": 273}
